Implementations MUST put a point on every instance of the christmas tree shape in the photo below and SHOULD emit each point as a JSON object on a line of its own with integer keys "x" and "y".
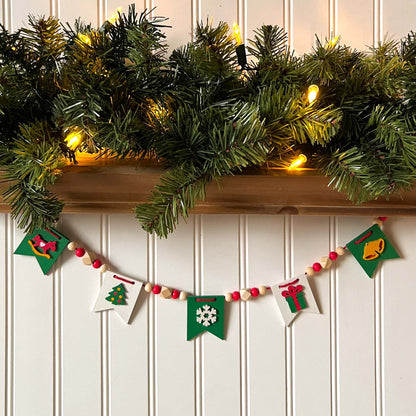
{"x": 118, "y": 295}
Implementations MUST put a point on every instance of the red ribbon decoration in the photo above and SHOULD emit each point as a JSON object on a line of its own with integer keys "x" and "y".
{"x": 292, "y": 292}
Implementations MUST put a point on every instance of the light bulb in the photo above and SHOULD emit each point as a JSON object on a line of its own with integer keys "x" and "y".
{"x": 237, "y": 33}
{"x": 84, "y": 38}
{"x": 312, "y": 93}
{"x": 115, "y": 15}
{"x": 332, "y": 42}
{"x": 300, "y": 160}
{"x": 73, "y": 140}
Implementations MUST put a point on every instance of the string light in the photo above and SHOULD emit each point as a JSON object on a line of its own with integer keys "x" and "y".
{"x": 237, "y": 34}
{"x": 332, "y": 42}
{"x": 159, "y": 111}
{"x": 312, "y": 93}
{"x": 114, "y": 16}
{"x": 84, "y": 38}
{"x": 73, "y": 139}
{"x": 300, "y": 160}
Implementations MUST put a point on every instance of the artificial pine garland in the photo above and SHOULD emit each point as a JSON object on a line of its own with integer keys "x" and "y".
{"x": 197, "y": 111}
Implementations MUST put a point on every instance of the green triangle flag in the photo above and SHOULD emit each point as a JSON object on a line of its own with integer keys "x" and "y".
{"x": 46, "y": 245}
{"x": 370, "y": 247}
{"x": 205, "y": 313}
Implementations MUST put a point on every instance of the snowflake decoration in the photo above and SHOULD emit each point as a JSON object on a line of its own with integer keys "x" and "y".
{"x": 206, "y": 315}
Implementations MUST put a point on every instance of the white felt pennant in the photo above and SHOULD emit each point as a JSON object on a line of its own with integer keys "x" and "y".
{"x": 128, "y": 293}
{"x": 299, "y": 293}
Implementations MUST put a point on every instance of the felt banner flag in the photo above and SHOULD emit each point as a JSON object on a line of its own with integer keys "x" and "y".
{"x": 293, "y": 296}
{"x": 205, "y": 313}
{"x": 119, "y": 293}
{"x": 46, "y": 245}
{"x": 370, "y": 247}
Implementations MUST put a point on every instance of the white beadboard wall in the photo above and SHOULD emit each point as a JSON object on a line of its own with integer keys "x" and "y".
{"x": 355, "y": 359}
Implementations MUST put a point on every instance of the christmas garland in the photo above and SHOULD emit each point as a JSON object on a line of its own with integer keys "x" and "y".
{"x": 211, "y": 108}
{"x": 206, "y": 313}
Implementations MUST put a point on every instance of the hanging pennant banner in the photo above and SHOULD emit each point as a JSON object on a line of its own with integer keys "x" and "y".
{"x": 46, "y": 245}
{"x": 119, "y": 293}
{"x": 370, "y": 247}
{"x": 205, "y": 313}
{"x": 293, "y": 296}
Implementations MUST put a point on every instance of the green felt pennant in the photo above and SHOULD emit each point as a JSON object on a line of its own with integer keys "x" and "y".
{"x": 205, "y": 313}
{"x": 45, "y": 245}
{"x": 370, "y": 247}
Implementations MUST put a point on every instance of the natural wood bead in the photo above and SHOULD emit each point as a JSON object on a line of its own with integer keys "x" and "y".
{"x": 72, "y": 246}
{"x": 148, "y": 287}
{"x": 228, "y": 297}
{"x": 165, "y": 293}
{"x": 183, "y": 295}
{"x": 340, "y": 251}
{"x": 88, "y": 258}
{"x": 262, "y": 290}
{"x": 103, "y": 268}
{"x": 310, "y": 271}
{"x": 326, "y": 262}
{"x": 245, "y": 294}
{"x": 377, "y": 221}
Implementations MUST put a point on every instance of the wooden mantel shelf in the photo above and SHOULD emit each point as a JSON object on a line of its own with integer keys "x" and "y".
{"x": 118, "y": 186}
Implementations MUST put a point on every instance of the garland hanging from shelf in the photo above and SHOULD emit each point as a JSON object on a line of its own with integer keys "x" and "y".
{"x": 209, "y": 109}
{"x": 206, "y": 313}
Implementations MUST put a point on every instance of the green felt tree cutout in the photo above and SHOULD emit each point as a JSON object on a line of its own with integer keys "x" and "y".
{"x": 118, "y": 295}
{"x": 205, "y": 313}
{"x": 46, "y": 245}
{"x": 370, "y": 247}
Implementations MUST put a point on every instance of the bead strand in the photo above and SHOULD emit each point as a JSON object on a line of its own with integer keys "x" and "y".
{"x": 325, "y": 262}
{"x": 88, "y": 257}
{"x": 246, "y": 293}
{"x": 165, "y": 292}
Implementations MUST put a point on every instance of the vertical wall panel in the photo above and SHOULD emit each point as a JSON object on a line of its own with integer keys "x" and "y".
{"x": 175, "y": 355}
{"x": 398, "y": 18}
{"x": 220, "y": 275}
{"x": 33, "y": 336}
{"x": 128, "y": 343}
{"x": 81, "y": 327}
{"x": 355, "y": 23}
{"x": 3, "y": 316}
{"x": 266, "y": 340}
{"x": 312, "y": 364}
{"x": 356, "y": 328}
{"x": 398, "y": 342}
{"x": 219, "y": 10}
{"x": 22, "y": 8}
{"x": 87, "y": 11}
{"x": 309, "y": 18}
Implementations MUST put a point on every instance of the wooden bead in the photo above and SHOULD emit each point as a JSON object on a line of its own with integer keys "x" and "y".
{"x": 377, "y": 221}
{"x": 310, "y": 271}
{"x": 228, "y": 297}
{"x": 165, "y": 293}
{"x": 148, "y": 287}
{"x": 175, "y": 294}
{"x": 245, "y": 294}
{"x": 72, "y": 246}
{"x": 88, "y": 258}
{"x": 156, "y": 289}
{"x": 340, "y": 251}
{"x": 103, "y": 268}
{"x": 326, "y": 262}
{"x": 183, "y": 295}
{"x": 262, "y": 290}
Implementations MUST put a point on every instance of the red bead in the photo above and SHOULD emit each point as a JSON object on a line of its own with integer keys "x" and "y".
{"x": 333, "y": 255}
{"x": 96, "y": 264}
{"x": 79, "y": 252}
{"x": 175, "y": 294}
{"x": 254, "y": 292}
{"x": 236, "y": 295}
{"x": 317, "y": 267}
{"x": 156, "y": 289}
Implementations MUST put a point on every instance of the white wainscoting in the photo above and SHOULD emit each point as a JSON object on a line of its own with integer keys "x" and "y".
{"x": 355, "y": 359}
